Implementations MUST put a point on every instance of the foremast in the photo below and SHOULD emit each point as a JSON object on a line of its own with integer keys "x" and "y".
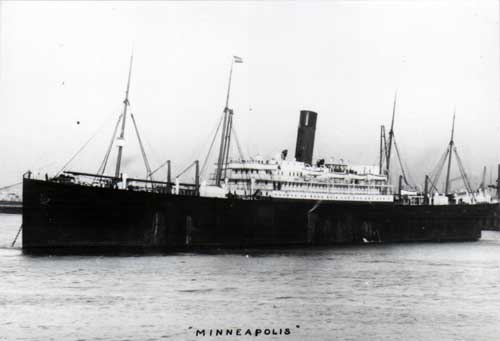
{"x": 126, "y": 104}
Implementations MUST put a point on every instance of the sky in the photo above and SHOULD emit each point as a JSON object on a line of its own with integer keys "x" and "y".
{"x": 64, "y": 65}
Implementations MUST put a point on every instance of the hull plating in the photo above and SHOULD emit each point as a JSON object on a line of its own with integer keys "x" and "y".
{"x": 82, "y": 218}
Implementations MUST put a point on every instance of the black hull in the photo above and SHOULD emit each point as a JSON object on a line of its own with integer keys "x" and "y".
{"x": 75, "y": 218}
{"x": 492, "y": 221}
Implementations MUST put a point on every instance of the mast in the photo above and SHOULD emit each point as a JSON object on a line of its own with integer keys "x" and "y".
{"x": 228, "y": 139}
{"x": 391, "y": 136}
{"x": 226, "y": 128}
{"x": 483, "y": 181}
{"x": 426, "y": 190}
{"x": 229, "y": 85}
{"x": 222, "y": 147}
{"x": 447, "y": 187}
{"x": 124, "y": 118}
{"x": 382, "y": 149}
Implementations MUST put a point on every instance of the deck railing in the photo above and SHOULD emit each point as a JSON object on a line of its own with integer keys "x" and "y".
{"x": 131, "y": 184}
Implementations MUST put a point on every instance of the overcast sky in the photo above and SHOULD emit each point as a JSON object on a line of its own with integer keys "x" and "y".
{"x": 64, "y": 62}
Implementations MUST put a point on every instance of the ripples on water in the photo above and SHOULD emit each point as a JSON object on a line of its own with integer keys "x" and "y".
{"x": 373, "y": 292}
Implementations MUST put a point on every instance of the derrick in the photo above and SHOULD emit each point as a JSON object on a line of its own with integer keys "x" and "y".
{"x": 446, "y": 159}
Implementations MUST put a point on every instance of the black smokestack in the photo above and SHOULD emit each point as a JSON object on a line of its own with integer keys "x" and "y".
{"x": 305, "y": 136}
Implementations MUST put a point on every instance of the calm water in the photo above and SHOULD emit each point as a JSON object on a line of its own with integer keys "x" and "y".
{"x": 375, "y": 292}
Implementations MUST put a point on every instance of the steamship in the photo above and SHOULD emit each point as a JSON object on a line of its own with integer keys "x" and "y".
{"x": 246, "y": 203}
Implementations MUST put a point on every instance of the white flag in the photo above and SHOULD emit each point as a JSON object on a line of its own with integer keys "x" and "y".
{"x": 237, "y": 59}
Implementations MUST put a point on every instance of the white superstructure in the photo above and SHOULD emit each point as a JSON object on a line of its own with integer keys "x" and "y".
{"x": 332, "y": 180}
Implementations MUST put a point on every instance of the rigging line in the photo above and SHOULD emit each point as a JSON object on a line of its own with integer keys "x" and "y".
{"x": 185, "y": 170}
{"x": 384, "y": 145}
{"x": 228, "y": 142}
{"x": 240, "y": 151}
{"x": 126, "y": 104}
{"x": 17, "y": 235}
{"x": 391, "y": 133}
{"x": 225, "y": 144}
{"x": 159, "y": 167}
{"x": 436, "y": 168}
{"x": 143, "y": 152}
{"x": 211, "y": 146}
{"x": 197, "y": 151}
{"x": 381, "y": 150}
{"x": 441, "y": 167}
{"x": 79, "y": 150}
{"x": 221, "y": 149}
{"x": 410, "y": 177}
{"x": 400, "y": 162}
{"x": 465, "y": 180}
{"x": 153, "y": 153}
{"x": 102, "y": 167}
{"x": 438, "y": 176}
{"x": 9, "y": 186}
{"x": 464, "y": 174}
{"x": 433, "y": 185}
{"x": 482, "y": 185}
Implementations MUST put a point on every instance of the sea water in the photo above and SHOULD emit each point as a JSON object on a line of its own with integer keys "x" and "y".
{"x": 414, "y": 291}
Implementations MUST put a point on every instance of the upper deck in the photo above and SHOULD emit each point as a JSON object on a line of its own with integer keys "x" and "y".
{"x": 330, "y": 180}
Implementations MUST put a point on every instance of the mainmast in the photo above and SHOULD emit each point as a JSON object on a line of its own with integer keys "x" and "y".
{"x": 226, "y": 129}
{"x": 124, "y": 118}
{"x": 383, "y": 151}
{"x": 483, "y": 180}
{"x": 447, "y": 187}
{"x": 391, "y": 137}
